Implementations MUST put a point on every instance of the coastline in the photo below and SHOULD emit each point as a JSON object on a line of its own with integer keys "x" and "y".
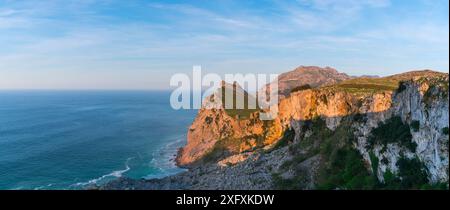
{"x": 170, "y": 159}
{"x": 255, "y": 173}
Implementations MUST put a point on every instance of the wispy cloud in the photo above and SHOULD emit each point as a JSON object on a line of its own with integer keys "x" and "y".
{"x": 328, "y": 15}
{"x": 101, "y": 38}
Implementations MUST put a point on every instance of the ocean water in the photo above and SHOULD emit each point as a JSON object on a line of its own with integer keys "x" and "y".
{"x": 69, "y": 139}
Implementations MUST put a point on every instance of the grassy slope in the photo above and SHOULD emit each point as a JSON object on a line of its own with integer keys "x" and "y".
{"x": 366, "y": 85}
{"x": 242, "y": 113}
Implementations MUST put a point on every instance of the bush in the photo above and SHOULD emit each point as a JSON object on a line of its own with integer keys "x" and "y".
{"x": 392, "y": 131}
{"x": 445, "y": 130}
{"x": 415, "y": 125}
{"x": 401, "y": 87}
{"x": 374, "y": 162}
{"x": 360, "y": 117}
{"x": 288, "y": 137}
{"x": 208, "y": 120}
{"x": 347, "y": 171}
{"x": 412, "y": 173}
{"x": 391, "y": 181}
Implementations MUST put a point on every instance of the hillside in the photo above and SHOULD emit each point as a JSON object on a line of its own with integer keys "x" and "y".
{"x": 311, "y": 76}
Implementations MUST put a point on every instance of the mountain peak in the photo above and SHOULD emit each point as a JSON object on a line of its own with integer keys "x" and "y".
{"x": 313, "y": 76}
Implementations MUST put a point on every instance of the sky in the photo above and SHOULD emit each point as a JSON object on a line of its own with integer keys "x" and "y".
{"x": 136, "y": 44}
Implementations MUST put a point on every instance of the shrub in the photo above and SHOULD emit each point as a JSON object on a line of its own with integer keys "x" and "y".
{"x": 288, "y": 137}
{"x": 445, "y": 130}
{"x": 208, "y": 120}
{"x": 392, "y": 131}
{"x": 415, "y": 125}
{"x": 347, "y": 171}
{"x": 391, "y": 181}
{"x": 412, "y": 173}
{"x": 385, "y": 161}
{"x": 374, "y": 162}
{"x": 401, "y": 87}
{"x": 360, "y": 117}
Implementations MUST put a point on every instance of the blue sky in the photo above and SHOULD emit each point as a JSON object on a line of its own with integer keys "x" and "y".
{"x": 106, "y": 44}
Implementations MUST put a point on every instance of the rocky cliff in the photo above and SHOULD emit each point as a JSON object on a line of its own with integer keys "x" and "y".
{"x": 414, "y": 104}
{"x": 358, "y": 133}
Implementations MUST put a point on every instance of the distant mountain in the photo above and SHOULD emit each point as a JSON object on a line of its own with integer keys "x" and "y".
{"x": 370, "y": 76}
{"x": 311, "y": 76}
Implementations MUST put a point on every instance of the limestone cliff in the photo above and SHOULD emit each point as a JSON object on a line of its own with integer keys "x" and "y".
{"x": 217, "y": 132}
{"x": 355, "y": 109}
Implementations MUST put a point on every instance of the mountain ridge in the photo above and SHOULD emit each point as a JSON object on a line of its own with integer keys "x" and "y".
{"x": 313, "y": 76}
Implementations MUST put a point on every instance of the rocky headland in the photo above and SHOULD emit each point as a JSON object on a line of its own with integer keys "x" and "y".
{"x": 333, "y": 131}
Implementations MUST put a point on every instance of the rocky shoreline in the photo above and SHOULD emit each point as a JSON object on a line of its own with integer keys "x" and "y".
{"x": 255, "y": 173}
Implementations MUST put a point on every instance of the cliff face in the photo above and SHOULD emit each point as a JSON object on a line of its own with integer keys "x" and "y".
{"x": 423, "y": 104}
{"x": 389, "y": 121}
{"x": 213, "y": 127}
{"x": 234, "y": 134}
{"x": 217, "y": 132}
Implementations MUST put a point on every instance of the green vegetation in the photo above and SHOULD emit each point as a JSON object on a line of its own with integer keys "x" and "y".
{"x": 374, "y": 162}
{"x": 300, "y": 88}
{"x": 401, "y": 86}
{"x": 437, "y": 186}
{"x": 215, "y": 153}
{"x": 438, "y": 88}
{"x": 392, "y": 131}
{"x": 342, "y": 167}
{"x": 415, "y": 125}
{"x": 250, "y": 103}
{"x": 288, "y": 137}
{"x": 228, "y": 146}
{"x": 385, "y": 161}
{"x": 346, "y": 171}
{"x": 412, "y": 173}
{"x": 445, "y": 130}
{"x": 360, "y": 117}
{"x": 368, "y": 85}
{"x": 208, "y": 120}
{"x": 391, "y": 181}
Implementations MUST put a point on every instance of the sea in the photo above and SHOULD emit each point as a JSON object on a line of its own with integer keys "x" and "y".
{"x": 71, "y": 139}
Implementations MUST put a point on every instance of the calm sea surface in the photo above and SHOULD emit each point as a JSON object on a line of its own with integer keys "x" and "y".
{"x": 69, "y": 139}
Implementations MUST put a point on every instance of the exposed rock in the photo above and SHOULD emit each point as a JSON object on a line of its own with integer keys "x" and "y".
{"x": 225, "y": 152}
